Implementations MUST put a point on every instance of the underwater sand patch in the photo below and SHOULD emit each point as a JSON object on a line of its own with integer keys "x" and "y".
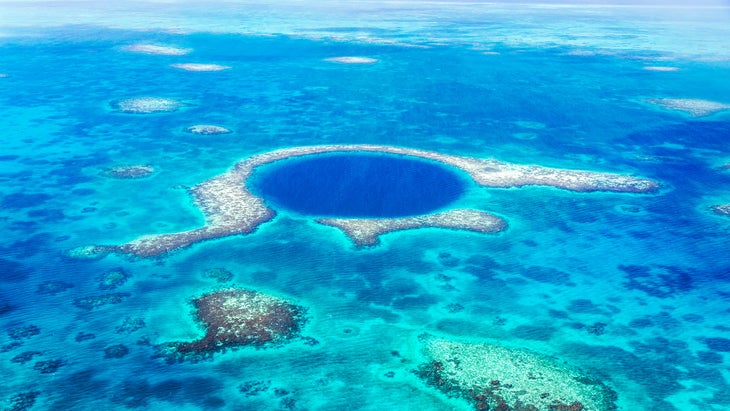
{"x": 200, "y": 67}
{"x": 694, "y": 107}
{"x": 352, "y": 60}
{"x": 495, "y": 377}
{"x": 146, "y": 105}
{"x": 231, "y": 208}
{"x": 157, "y": 50}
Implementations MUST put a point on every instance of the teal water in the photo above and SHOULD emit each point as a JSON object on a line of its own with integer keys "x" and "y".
{"x": 633, "y": 288}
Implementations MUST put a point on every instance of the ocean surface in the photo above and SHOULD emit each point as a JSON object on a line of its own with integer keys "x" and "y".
{"x": 633, "y": 289}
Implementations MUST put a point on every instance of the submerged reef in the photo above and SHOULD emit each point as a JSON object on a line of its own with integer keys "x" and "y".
{"x": 130, "y": 171}
{"x": 237, "y": 317}
{"x": 22, "y": 401}
{"x": 494, "y": 377}
{"x": 112, "y": 279}
{"x": 159, "y": 50}
{"x": 207, "y": 129}
{"x": 52, "y": 287}
{"x": 231, "y": 208}
{"x": 694, "y": 107}
{"x": 146, "y": 105}
{"x": 352, "y": 60}
{"x": 200, "y": 67}
{"x": 97, "y": 301}
{"x": 721, "y": 209}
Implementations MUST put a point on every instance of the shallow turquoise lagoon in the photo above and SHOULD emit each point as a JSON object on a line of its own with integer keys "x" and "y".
{"x": 630, "y": 288}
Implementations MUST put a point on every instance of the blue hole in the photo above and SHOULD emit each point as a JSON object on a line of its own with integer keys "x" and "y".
{"x": 357, "y": 185}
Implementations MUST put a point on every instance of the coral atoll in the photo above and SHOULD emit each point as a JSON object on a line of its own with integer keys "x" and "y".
{"x": 494, "y": 377}
{"x": 236, "y": 317}
{"x": 231, "y": 208}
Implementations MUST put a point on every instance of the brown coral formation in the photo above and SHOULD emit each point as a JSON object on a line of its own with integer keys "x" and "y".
{"x": 237, "y": 317}
{"x": 231, "y": 208}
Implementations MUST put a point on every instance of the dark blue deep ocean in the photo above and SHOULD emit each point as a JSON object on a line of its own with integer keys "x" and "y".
{"x": 632, "y": 288}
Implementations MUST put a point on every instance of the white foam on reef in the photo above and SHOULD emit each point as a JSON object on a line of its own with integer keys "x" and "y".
{"x": 661, "y": 68}
{"x": 158, "y": 50}
{"x": 207, "y": 129}
{"x": 200, "y": 67}
{"x": 695, "y": 107}
{"x": 146, "y": 105}
{"x": 352, "y": 60}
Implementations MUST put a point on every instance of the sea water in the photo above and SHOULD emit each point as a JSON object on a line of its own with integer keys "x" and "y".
{"x": 633, "y": 288}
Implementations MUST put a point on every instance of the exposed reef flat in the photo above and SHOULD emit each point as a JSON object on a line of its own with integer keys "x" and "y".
{"x": 366, "y": 232}
{"x": 694, "y": 107}
{"x": 494, "y": 377}
{"x": 721, "y": 209}
{"x": 231, "y": 208}
{"x": 159, "y": 50}
{"x": 200, "y": 67}
{"x": 236, "y": 317}
{"x": 207, "y": 129}
{"x": 352, "y": 60}
{"x": 146, "y": 105}
{"x": 131, "y": 171}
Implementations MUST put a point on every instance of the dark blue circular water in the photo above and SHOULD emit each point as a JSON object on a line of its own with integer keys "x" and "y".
{"x": 358, "y": 185}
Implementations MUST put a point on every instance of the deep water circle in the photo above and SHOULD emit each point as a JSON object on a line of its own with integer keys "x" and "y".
{"x": 358, "y": 185}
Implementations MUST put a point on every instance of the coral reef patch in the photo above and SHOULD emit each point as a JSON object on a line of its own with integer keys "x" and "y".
{"x": 352, "y": 60}
{"x": 721, "y": 209}
{"x": 52, "y": 287}
{"x": 97, "y": 301}
{"x": 129, "y": 171}
{"x": 207, "y": 129}
{"x": 693, "y": 107}
{"x": 235, "y": 317}
{"x": 158, "y": 50}
{"x": 112, "y": 279}
{"x": 494, "y": 377}
{"x": 200, "y": 67}
{"x": 22, "y": 401}
{"x": 366, "y": 232}
{"x": 146, "y": 105}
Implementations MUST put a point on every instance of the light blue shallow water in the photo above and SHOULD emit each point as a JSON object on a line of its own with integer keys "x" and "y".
{"x": 633, "y": 288}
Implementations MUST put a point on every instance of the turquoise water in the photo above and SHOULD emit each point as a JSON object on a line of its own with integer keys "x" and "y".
{"x": 633, "y": 288}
